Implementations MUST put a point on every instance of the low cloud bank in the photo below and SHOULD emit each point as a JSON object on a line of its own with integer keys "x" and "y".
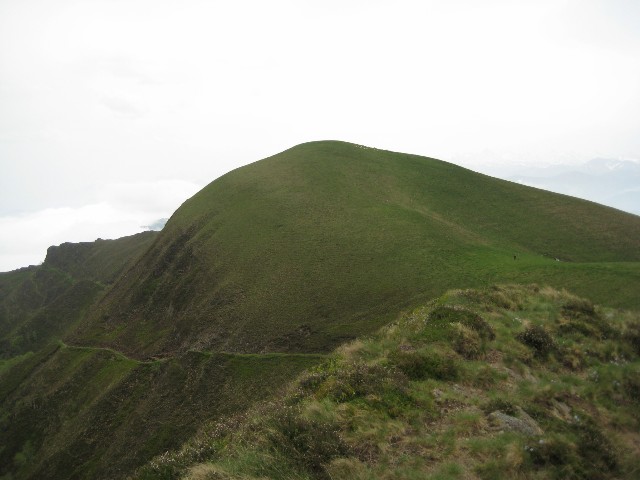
{"x": 123, "y": 209}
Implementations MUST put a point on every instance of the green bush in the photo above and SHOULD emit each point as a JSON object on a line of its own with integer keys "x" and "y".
{"x": 538, "y": 339}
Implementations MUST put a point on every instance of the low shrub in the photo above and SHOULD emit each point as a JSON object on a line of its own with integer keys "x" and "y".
{"x": 539, "y": 339}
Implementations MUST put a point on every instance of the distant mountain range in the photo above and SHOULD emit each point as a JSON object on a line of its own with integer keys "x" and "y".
{"x": 615, "y": 183}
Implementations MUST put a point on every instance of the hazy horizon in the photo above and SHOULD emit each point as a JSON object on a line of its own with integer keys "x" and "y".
{"x": 115, "y": 112}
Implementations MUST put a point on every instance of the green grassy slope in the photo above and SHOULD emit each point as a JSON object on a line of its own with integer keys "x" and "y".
{"x": 300, "y": 251}
{"x": 253, "y": 276}
{"x": 80, "y": 412}
{"x": 40, "y": 303}
{"x": 102, "y": 260}
{"x": 503, "y": 382}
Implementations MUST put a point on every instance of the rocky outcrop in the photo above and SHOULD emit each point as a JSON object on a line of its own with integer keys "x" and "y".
{"x": 523, "y": 423}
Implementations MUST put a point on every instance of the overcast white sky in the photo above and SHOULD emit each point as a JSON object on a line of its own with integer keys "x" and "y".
{"x": 113, "y": 112}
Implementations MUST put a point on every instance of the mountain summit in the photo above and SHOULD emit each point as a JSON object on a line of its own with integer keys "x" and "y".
{"x": 300, "y": 251}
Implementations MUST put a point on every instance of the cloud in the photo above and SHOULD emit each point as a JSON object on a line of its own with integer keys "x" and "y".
{"x": 160, "y": 90}
{"x": 158, "y": 197}
{"x": 123, "y": 209}
{"x": 116, "y": 66}
{"x": 157, "y": 225}
{"x": 123, "y": 107}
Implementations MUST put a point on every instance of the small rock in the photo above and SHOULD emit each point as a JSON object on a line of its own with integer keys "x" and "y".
{"x": 522, "y": 424}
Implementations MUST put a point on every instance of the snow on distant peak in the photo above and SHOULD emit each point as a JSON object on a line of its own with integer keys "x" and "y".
{"x": 602, "y": 165}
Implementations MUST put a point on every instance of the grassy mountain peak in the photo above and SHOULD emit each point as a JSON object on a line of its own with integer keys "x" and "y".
{"x": 299, "y": 251}
{"x": 113, "y": 352}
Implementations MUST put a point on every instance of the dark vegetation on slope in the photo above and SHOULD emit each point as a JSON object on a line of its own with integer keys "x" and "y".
{"x": 505, "y": 382}
{"x": 39, "y": 304}
{"x": 300, "y": 251}
{"x": 87, "y": 413}
{"x": 102, "y": 260}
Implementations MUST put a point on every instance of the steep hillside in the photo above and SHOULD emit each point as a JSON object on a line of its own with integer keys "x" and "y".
{"x": 102, "y": 260}
{"x": 503, "y": 382}
{"x": 327, "y": 240}
{"x": 87, "y": 413}
{"x": 40, "y": 303}
{"x": 116, "y": 351}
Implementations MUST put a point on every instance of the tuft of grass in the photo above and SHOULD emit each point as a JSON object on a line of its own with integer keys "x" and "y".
{"x": 422, "y": 365}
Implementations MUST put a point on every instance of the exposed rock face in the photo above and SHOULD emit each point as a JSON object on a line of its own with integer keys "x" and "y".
{"x": 522, "y": 424}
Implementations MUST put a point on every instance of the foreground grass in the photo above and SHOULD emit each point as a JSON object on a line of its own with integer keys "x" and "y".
{"x": 517, "y": 382}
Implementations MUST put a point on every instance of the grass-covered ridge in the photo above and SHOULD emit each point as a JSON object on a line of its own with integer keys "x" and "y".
{"x": 39, "y": 304}
{"x": 87, "y": 413}
{"x": 511, "y": 381}
{"x": 300, "y": 251}
{"x": 112, "y": 352}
